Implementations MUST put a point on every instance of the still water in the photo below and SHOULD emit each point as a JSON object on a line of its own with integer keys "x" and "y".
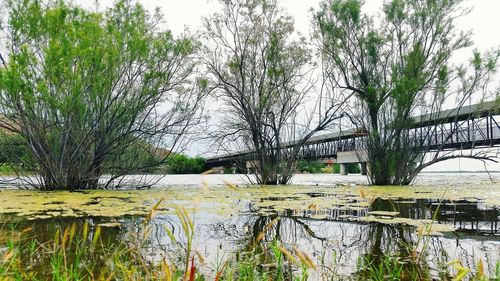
{"x": 333, "y": 218}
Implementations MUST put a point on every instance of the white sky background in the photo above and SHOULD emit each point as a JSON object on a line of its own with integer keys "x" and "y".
{"x": 484, "y": 21}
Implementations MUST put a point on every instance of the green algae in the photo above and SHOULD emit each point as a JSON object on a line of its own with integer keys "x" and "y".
{"x": 429, "y": 228}
{"x": 488, "y": 193}
{"x": 225, "y": 201}
{"x": 383, "y": 213}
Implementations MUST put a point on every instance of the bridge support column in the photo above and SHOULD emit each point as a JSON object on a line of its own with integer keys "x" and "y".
{"x": 252, "y": 166}
{"x": 218, "y": 170}
{"x": 363, "y": 168}
{"x": 343, "y": 169}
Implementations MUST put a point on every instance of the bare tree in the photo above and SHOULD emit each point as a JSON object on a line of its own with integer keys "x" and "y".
{"x": 94, "y": 93}
{"x": 262, "y": 74}
{"x": 399, "y": 66}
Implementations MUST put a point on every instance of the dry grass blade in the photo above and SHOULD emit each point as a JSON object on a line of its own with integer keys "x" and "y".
{"x": 65, "y": 238}
{"x": 166, "y": 270}
{"x": 110, "y": 277}
{"x": 289, "y": 255}
{"x": 221, "y": 271}
{"x": 96, "y": 236}
{"x": 146, "y": 232}
{"x": 304, "y": 258}
{"x": 204, "y": 185}
{"x": 232, "y": 186}
{"x": 363, "y": 193}
{"x": 153, "y": 210}
{"x": 8, "y": 256}
{"x": 268, "y": 226}
{"x": 85, "y": 230}
{"x": 26, "y": 230}
{"x": 480, "y": 269}
{"x": 208, "y": 172}
{"x": 72, "y": 232}
{"x": 200, "y": 257}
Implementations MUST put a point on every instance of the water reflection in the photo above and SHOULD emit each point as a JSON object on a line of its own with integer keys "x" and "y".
{"x": 340, "y": 246}
{"x": 465, "y": 216}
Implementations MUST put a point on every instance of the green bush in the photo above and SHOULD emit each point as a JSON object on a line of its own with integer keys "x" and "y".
{"x": 352, "y": 168}
{"x": 14, "y": 153}
{"x": 312, "y": 167}
{"x": 316, "y": 167}
{"x": 182, "y": 164}
{"x": 328, "y": 169}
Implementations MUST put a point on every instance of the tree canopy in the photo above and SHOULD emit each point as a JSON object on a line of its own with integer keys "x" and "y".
{"x": 81, "y": 87}
{"x": 399, "y": 65}
{"x": 261, "y": 71}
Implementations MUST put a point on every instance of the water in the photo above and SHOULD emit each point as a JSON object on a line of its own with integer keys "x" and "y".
{"x": 336, "y": 226}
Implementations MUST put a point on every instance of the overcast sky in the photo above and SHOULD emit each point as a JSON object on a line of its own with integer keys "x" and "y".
{"x": 484, "y": 21}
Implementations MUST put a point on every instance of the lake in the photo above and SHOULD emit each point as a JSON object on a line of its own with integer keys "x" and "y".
{"x": 343, "y": 226}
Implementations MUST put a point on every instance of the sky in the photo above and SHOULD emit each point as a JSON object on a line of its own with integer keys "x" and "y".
{"x": 483, "y": 21}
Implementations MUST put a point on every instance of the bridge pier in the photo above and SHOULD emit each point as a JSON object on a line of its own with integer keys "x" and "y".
{"x": 344, "y": 169}
{"x": 352, "y": 157}
{"x": 226, "y": 169}
{"x": 252, "y": 166}
{"x": 363, "y": 166}
{"x": 218, "y": 170}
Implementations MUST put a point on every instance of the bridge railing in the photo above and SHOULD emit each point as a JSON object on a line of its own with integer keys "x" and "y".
{"x": 462, "y": 134}
{"x": 469, "y": 133}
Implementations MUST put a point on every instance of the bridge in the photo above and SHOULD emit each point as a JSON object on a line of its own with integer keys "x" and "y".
{"x": 467, "y": 127}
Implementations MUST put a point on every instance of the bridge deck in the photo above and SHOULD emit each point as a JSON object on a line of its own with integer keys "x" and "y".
{"x": 465, "y": 128}
{"x": 458, "y": 114}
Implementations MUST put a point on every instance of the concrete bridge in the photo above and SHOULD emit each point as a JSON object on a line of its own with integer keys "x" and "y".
{"x": 468, "y": 127}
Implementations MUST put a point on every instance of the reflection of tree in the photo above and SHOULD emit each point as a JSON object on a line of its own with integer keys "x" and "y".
{"x": 376, "y": 243}
{"x": 264, "y": 231}
{"x": 286, "y": 229}
{"x": 46, "y": 235}
{"x": 389, "y": 248}
{"x": 465, "y": 215}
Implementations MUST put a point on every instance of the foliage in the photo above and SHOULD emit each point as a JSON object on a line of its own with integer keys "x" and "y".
{"x": 82, "y": 87}
{"x": 399, "y": 65}
{"x": 316, "y": 167}
{"x": 6, "y": 169}
{"x": 182, "y": 164}
{"x": 13, "y": 153}
{"x": 313, "y": 167}
{"x": 352, "y": 168}
{"x": 330, "y": 169}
